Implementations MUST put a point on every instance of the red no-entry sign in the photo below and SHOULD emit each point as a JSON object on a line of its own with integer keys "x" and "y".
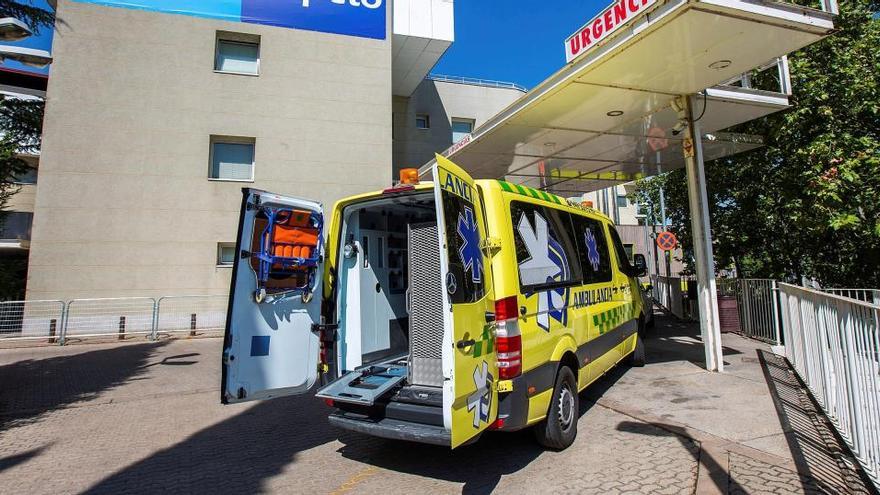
{"x": 666, "y": 241}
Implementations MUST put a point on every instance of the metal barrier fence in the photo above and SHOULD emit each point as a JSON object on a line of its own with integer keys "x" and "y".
{"x": 758, "y": 307}
{"x": 832, "y": 343}
{"x": 31, "y": 319}
{"x": 190, "y": 313}
{"x": 57, "y": 321}
{"x": 756, "y": 303}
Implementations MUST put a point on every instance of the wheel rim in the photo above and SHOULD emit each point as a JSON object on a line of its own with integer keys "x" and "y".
{"x": 566, "y": 407}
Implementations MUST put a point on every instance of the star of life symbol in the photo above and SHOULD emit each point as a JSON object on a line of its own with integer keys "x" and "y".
{"x": 547, "y": 263}
{"x": 480, "y": 402}
{"x": 592, "y": 250}
{"x": 469, "y": 252}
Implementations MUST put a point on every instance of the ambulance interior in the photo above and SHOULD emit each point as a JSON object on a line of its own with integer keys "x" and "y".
{"x": 387, "y": 340}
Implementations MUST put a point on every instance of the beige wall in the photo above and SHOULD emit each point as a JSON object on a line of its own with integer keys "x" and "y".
{"x": 442, "y": 101}
{"x": 124, "y": 205}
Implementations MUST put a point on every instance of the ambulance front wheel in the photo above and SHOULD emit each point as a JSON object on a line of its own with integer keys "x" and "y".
{"x": 559, "y": 430}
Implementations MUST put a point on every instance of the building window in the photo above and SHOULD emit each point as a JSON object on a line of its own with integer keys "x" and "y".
{"x": 423, "y": 121}
{"x": 232, "y": 158}
{"x": 225, "y": 253}
{"x": 27, "y": 176}
{"x": 461, "y": 128}
{"x": 621, "y": 201}
{"x": 237, "y": 53}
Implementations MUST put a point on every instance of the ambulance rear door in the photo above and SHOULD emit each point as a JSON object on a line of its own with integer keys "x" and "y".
{"x": 470, "y": 397}
{"x": 272, "y": 341}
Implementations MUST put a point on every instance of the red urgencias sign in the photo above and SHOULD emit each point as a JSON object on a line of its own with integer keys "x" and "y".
{"x": 601, "y": 26}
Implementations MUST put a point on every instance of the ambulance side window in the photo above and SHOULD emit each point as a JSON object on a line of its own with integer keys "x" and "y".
{"x": 622, "y": 260}
{"x": 465, "y": 282}
{"x": 546, "y": 253}
{"x": 593, "y": 249}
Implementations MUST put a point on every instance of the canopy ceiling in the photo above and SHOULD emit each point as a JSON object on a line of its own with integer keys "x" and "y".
{"x": 606, "y": 117}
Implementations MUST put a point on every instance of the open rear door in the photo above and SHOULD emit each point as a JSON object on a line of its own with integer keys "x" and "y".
{"x": 469, "y": 394}
{"x": 271, "y": 348}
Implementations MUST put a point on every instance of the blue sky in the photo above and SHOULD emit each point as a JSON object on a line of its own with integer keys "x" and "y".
{"x": 515, "y": 41}
{"x": 43, "y": 41}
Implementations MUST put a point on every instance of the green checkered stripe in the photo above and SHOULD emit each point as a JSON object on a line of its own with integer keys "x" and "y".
{"x": 532, "y": 193}
{"x": 486, "y": 343}
{"x": 611, "y": 319}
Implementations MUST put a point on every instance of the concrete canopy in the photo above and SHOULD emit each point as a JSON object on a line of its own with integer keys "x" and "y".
{"x": 607, "y": 116}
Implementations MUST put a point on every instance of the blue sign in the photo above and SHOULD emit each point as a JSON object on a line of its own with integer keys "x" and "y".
{"x": 361, "y": 18}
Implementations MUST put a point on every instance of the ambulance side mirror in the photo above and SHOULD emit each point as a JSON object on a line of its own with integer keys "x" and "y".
{"x": 640, "y": 265}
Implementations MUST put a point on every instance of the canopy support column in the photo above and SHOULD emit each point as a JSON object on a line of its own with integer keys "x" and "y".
{"x": 707, "y": 296}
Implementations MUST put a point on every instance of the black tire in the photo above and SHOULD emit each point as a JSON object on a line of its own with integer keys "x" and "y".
{"x": 637, "y": 358}
{"x": 559, "y": 430}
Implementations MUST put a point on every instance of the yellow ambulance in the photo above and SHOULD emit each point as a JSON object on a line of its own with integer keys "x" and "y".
{"x": 431, "y": 312}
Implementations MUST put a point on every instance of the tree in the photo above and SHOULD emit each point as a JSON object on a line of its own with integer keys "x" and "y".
{"x": 807, "y": 203}
{"x": 21, "y": 124}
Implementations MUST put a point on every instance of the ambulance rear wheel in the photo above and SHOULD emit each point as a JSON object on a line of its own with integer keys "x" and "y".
{"x": 559, "y": 430}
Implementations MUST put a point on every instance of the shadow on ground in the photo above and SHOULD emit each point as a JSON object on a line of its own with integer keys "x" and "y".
{"x": 478, "y": 466}
{"x": 814, "y": 446}
{"x": 233, "y": 456}
{"x": 33, "y": 387}
{"x": 672, "y": 339}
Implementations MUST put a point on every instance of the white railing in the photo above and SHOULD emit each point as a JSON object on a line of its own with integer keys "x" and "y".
{"x": 476, "y": 82}
{"x": 832, "y": 343}
{"x": 58, "y": 321}
{"x": 667, "y": 293}
{"x": 758, "y": 307}
{"x": 867, "y": 295}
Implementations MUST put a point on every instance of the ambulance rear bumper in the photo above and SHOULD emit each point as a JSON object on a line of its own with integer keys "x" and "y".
{"x": 393, "y": 429}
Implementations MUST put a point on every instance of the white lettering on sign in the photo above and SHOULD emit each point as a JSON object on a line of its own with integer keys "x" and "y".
{"x": 601, "y": 26}
{"x": 370, "y": 4}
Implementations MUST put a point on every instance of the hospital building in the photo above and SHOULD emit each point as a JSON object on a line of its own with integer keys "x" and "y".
{"x": 156, "y": 117}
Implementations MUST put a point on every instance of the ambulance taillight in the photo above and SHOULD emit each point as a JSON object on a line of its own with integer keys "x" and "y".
{"x": 508, "y": 341}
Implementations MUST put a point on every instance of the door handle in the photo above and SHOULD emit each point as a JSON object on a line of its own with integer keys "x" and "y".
{"x": 461, "y": 344}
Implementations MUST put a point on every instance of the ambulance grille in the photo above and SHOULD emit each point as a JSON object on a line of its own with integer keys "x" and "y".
{"x": 426, "y": 306}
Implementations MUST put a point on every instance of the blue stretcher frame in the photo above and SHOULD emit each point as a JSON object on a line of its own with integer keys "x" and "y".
{"x": 288, "y": 264}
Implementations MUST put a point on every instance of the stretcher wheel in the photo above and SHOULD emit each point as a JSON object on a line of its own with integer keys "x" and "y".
{"x": 260, "y": 295}
{"x": 306, "y": 297}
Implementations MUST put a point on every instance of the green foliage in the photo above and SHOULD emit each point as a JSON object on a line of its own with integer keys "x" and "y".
{"x": 808, "y": 203}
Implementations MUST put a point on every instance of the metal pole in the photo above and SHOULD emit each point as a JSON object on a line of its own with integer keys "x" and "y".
{"x": 647, "y": 237}
{"x": 666, "y": 254}
{"x": 707, "y": 295}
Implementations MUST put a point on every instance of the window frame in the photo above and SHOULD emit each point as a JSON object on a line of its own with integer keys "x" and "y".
{"x": 623, "y": 264}
{"x": 16, "y": 177}
{"x": 598, "y": 229}
{"x": 461, "y": 120}
{"x": 220, "y": 247}
{"x": 220, "y": 139}
{"x": 427, "y": 118}
{"x": 574, "y": 263}
{"x": 237, "y": 39}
